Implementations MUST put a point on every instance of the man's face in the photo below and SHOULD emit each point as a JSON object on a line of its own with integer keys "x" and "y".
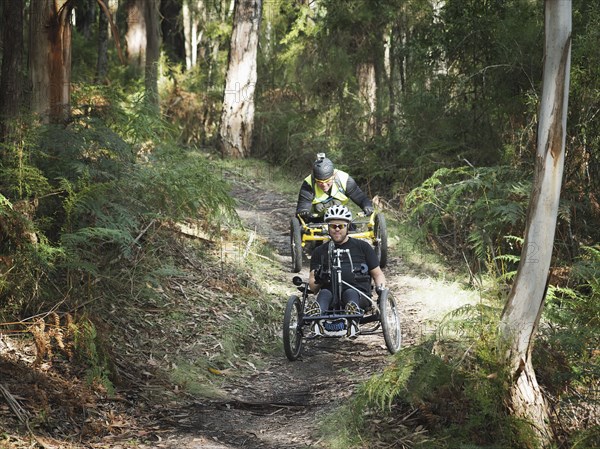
{"x": 325, "y": 184}
{"x": 338, "y": 230}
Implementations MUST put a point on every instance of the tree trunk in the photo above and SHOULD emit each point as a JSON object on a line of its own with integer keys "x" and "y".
{"x": 85, "y": 17}
{"x": 152, "y": 20}
{"x": 367, "y": 94}
{"x": 522, "y": 312}
{"x": 173, "y": 42}
{"x": 11, "y": 73}
{"x": 50, "y": 59}
{"x": 102, "y": 61}
{"x": 191, "y": 21}
{"x": 237, "y": 119}
{"x": 135, "y": 36}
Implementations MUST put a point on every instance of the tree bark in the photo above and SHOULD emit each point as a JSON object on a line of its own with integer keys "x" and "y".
{"x": 50, "y": 59}
{"x": 523, "y": 309}
{"x": 152, "y": 20}
{"x": 367, "y": 93}
{"x": 191, "y": 20}
{"x": 11, "y": 73}
{"x": 173, "y": 41}
{"x": 135, "y": 37}
{"x": 85, "y": 17}
{"x": 102, "y": 61}
{"x": 237, "y": 118}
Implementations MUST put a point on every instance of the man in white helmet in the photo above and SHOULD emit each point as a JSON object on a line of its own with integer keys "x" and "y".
{"x": 327, "y": 186}
{"x": 360, "y": 254}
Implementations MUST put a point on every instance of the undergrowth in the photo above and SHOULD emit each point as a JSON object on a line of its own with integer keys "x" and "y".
{"x": 445, "y": 392}
{"x": 88, "y": 211}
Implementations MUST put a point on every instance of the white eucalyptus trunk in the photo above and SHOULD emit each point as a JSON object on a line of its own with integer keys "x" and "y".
{"x": 191, "y": 24}
{"x": 523, "y": 309}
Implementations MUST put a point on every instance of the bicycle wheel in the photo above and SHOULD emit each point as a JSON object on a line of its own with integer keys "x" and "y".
{"x": 296, "y": 244}
{"x": 381, "y": 239}
{"x": 390, "y": 321}
{"x": 292, "y": 328}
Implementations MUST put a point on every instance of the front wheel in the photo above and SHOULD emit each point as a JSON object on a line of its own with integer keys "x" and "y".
{"x": 292, "y": 328}
{"x": 381, "y": 239}
{"x": 296, "y": 244}
{"x": 390, "y": 321}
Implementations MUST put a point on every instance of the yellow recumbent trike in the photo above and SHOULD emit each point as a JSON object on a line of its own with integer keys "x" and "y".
{"x": 306, "y": 235}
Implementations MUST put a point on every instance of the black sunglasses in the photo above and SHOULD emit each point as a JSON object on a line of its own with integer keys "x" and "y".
{"x": 337, "y": 226}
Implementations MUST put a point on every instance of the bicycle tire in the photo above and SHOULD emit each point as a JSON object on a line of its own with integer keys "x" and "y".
{"x": 292, "y": 328}
{"x": 390, "y": 321}
{"x": 296, "y": 244}
{"x": 381, "y": 239}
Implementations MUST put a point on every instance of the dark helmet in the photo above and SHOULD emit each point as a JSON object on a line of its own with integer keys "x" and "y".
{"x": 322, "y": 168}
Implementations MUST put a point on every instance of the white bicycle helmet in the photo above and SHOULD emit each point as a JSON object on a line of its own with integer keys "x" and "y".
{"x": 338, "y": 212}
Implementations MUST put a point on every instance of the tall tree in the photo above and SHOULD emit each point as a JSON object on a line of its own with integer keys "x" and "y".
{"x": 135, "y": 36}
{"x": 153, "y": 42}
{"x": 102, "y": 60}
{"x": 522, "y": 312}
{"x": 191, "y": 19}
{"x": 11, "y": 73}
{"x": 172, "y": 30}
{"x": 85, "y": 17}
{"x": 50, "y": 58}
{"x": 237, "y": 118}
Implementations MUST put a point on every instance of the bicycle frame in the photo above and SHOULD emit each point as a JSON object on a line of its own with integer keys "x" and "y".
{"x": 312, "y": 232}
{"x": 337, "y": 283}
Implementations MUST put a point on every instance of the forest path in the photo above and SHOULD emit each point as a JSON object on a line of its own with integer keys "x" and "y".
{"x": 275, "y": 404}
{"x": 282, "y": 404}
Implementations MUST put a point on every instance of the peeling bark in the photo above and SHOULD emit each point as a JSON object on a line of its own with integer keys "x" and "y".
{"x": 50, "y": 59}
{"x": 237, "y": 119}
{"x": 523, "y": 309}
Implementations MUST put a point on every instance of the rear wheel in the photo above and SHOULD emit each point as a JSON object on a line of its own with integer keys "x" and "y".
{"x": 292, "y": 328}
{"x": 296, "y": 244}
{"x": 390, "y": 321}
{"x": 381, "y": 239}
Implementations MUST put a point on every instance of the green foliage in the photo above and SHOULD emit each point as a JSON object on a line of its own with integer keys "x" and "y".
{"x": 89, "y": 350}
{"x": 574, "y": 315}
{"x": 95, "y": 192}
{"x": 449, "y": 389}
{"x": 185, "y": 185}
{"x": 469, "y": 211}
{"x": 411, "y": 376}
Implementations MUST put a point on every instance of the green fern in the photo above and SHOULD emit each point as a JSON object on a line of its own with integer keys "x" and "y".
{"x": 411, "y": 376}
{"x": 469, "y": 209}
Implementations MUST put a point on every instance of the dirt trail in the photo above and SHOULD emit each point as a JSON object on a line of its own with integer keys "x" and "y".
{"x": 281, "y": 405}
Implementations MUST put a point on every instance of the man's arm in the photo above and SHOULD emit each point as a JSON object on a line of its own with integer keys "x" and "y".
{"x": 305, "y": 198}
{"x": 378, "y": 277}
{"x": 358, "y": 196}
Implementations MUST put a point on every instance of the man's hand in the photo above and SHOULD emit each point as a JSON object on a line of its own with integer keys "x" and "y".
{"x": 321, "y": 276}
{"x": 368, "y": 210}
{"x": 304, "y": 214}
{"x": 380, "y": 288}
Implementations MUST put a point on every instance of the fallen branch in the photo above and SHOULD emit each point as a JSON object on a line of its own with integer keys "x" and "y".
{"x": 14, "y": 405}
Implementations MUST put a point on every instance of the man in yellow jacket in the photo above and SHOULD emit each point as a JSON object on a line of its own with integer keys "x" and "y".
{"x": 327, "y": 186}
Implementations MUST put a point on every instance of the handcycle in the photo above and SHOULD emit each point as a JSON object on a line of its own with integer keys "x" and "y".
{"x": 299, "y": 326}
{"x": 305, "y": 235}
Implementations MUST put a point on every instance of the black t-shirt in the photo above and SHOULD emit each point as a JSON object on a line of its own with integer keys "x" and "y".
{"x": 361, "y": 252}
